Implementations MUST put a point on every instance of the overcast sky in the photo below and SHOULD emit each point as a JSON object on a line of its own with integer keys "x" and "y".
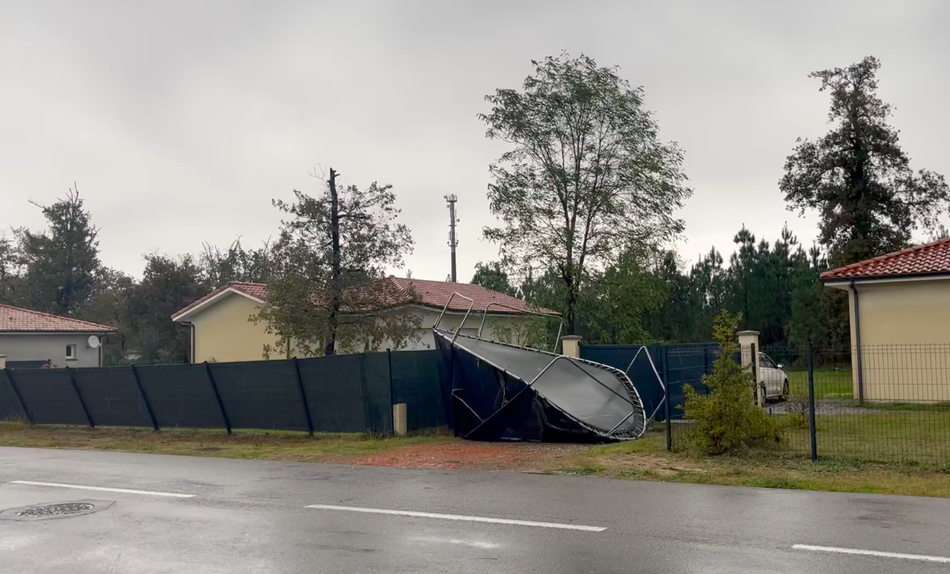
{"x": 181, "y": 120}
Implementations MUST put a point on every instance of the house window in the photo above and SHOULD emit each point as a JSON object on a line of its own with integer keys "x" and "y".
{"x": 70, "y": 352}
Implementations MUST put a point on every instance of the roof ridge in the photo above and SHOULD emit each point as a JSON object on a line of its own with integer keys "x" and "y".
{"x": 60, "y": 317}
{"x": 843, "y": 270}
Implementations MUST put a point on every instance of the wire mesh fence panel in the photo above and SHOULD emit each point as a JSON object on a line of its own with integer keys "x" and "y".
{"x": 112, "y": 396}
{"x": 181, "y": 396}
{"x": 49, "y": 396}
{"x": 348, "y": 393}
{"x": 10, "y": 408}
{"x": 415, "y": 380}
{"x": 261, "y": 394}
{"x": 686, "y": 365}
{"x": 886, "y": 403}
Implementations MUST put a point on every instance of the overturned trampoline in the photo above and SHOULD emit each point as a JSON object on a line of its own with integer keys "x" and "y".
{"x": 505, "y": 392}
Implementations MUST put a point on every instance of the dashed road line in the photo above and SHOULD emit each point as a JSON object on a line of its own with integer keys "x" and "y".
{"x": 103, "y": 489}
{"x": 459, "y": 517}
{"x": 858, "y": 552}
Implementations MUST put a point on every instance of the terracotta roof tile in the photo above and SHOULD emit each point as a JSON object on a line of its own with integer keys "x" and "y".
{"x": 437, "y": 294}
{"x": 929, "y": 259}
{"x": 429, "y": 293}
{"x": 14, "y": 319}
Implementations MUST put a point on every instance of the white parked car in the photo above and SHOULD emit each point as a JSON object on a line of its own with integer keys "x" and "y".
{"x": 773, "y": 381}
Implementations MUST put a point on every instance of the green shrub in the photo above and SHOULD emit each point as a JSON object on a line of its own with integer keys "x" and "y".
{"x": 727, "y": 418}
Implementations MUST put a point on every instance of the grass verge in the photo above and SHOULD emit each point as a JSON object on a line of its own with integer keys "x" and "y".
{"x": 265, "y": 445}
{"x": 648, "y": 459}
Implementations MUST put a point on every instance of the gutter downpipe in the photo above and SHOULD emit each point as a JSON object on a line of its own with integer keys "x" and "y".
{"x": 191, "y": 331}
{"x": 857, "y": 341}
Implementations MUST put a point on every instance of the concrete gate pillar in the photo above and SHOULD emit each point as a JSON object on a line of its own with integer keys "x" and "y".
{"x": 571, "y": 346}
{"x": 749, "y": 353}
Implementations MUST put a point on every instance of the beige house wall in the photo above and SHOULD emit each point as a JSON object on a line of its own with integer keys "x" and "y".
{"x": 905, "y": 340}
{"x": 223, "y": 332}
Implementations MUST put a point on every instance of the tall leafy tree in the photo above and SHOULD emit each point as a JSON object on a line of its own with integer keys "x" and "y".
{"x": 10, "y": 269}
{"x": 857, "y": 176}
{"x": 708, "y": 291}
{"x": 587, "y": 174}
{"x": 236, "y": 263}
{"x": 493, "y": 276}
{"x": 60, "y": 264}
{"x": 168, "y": 284}
{"x": 618, "y": 302}
{"x": 329, "y": 271}
{"x": 109, "y": 304}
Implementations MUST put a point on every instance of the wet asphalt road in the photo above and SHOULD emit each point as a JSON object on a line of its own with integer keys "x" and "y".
{"x": 251, "y": 516}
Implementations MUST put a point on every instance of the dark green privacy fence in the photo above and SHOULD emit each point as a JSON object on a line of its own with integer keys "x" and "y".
{"x": 344, "y": 393}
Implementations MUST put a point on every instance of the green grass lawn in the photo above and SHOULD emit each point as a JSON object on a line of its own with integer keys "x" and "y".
{"x": 907, "y": 437}
{"x": 648, "y": 459}
{"x": 828, "y": 384}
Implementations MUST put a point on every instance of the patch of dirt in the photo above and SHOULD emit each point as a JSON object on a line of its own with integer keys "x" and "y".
{"x": 469, "y": 455}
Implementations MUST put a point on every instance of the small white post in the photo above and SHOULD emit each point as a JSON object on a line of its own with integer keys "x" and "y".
{"x": 571, "y": 346}
{"x": 3, "y": 361}
{"x": 400, "y": 420}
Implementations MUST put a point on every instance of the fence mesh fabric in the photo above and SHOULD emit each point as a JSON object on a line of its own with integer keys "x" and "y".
{"x": 49, "y": 396}
{"x": 112, "y": 397}
{"x": 415, "y": 376}
{"x": 181, "y": 396}
{"x": 261, "y": 395}
{"x": 9, "y": 404}
{"x": 348, "y": 393}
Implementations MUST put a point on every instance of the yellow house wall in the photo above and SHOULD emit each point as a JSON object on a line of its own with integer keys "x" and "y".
{"x": 223, "y": 332}
{"x": 905, "y": 341}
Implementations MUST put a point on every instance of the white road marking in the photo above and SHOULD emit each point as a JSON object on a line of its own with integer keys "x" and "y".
{"x": 857, "y": 552}
{"x": 473, "y": 543}
{"x": 103, "y": 489}
{"x": 460, "y": 517}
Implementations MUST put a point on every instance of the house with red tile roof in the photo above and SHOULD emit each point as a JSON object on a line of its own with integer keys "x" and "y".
{"x": 32, "y": 339}
{"x": 221, "y": 329}
{"x": 901, "y": 298}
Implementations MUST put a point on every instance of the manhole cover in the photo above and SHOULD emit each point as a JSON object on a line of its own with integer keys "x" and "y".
{"x": 55, "y": 510}
{"x": 50, "y": 510}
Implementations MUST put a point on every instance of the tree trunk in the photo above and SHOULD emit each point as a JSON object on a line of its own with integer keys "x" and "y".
{"x": 335, "y": 295}
{"x": 570, "y": 306}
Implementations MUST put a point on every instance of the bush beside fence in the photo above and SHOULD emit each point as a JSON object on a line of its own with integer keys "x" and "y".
{"x": 343, "y": 393}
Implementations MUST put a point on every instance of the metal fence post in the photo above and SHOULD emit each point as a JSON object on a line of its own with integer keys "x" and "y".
{"x": 812, "y": 431}
{"x": 667, "y": 408}
{"x": 217, "y": 395}
{"x": 148, "y": 405}
{"x": 303, "y": 397}
{"x": 16, "y": 394}
{"x": 759, "y": 395}
{"x": 85, "y": 409}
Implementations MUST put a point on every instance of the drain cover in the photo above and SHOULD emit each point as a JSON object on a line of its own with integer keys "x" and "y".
{"x": 55, "y": 510}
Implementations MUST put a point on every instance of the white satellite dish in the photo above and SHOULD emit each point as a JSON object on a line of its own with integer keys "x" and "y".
{"x": 93, "y": 342}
